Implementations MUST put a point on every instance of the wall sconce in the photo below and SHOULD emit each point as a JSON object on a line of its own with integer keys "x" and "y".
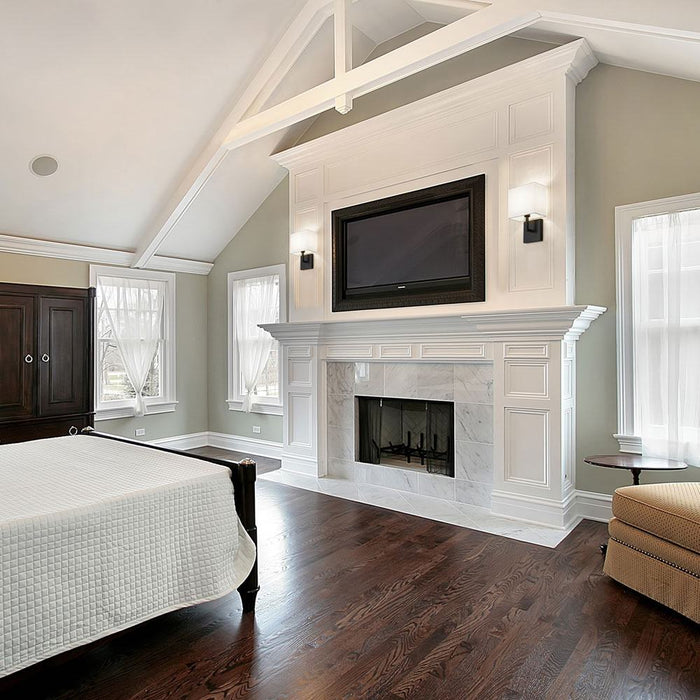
{"x": 528, "y": 203}
{"x": 303, "y": 243}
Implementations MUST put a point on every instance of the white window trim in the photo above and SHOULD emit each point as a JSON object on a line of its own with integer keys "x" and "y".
{"x": 624, "y": 217}
{"x": 234, "y": 400}
{"x": 167, "y": 402}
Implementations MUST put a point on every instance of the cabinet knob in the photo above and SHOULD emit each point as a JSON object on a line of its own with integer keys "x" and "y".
{"x": 45, "y": 358}
{"x": 28, "y": 359}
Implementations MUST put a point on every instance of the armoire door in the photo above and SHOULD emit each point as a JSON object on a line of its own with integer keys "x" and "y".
{"x": 62, "y": 356}
{"x": 17, "y": 357}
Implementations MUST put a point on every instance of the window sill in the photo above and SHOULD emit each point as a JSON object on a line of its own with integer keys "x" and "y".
{"x": 629, "y": 443}
{"x": 128, "y": 411}
{"x": 267, "y": 408}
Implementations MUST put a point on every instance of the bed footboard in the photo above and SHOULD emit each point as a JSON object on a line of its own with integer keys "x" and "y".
{"x": 244, "y": 494}
{"x": 243, "y": 475}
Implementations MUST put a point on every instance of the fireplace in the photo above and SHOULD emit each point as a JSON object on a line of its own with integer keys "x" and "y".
{"x": 406, "y": 433}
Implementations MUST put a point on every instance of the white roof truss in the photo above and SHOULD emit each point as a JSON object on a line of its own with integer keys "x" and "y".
{"x": 480, "y": 23}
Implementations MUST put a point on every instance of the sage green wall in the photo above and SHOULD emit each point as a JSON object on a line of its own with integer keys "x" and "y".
{"x": 637, "y": 138}
{"x": 262, "y": 241}
{"x": 191, "y": 331}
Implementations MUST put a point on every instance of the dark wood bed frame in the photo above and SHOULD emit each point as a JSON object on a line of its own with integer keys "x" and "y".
{"x": 243, "y": 478}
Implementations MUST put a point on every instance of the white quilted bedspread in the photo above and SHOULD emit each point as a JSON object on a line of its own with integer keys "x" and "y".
{"x": 98, "y": 535}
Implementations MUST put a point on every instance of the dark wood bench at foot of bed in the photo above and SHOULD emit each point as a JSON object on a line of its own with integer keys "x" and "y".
{"x": 243, "y": 477}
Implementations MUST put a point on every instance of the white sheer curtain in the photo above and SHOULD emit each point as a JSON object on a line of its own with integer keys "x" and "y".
{"x": 134, "y": 311}
{"x": 666, "y": 300}
{"x": 257, "y": 301}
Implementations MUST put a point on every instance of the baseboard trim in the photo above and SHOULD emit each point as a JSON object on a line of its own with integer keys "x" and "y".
{"x": 594, "y": 506}
{"x": 183, "y": 442}
{"x": 263, "y": 448}
{"x": 307, "y": 466}
{"x": 539, "y": 511}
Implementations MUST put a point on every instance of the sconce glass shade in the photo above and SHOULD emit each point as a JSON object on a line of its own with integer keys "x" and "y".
{"x": 527, "y": 200}
{"x": 302, "y": 241}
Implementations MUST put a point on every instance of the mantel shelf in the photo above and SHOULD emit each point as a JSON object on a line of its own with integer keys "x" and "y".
{"x": 563, "y": 322}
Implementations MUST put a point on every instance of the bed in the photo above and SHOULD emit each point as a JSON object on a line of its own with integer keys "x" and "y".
{"x": 101, "y": 533}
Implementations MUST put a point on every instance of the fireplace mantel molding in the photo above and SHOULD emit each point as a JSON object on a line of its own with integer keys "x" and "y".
{"x": 533, "y": 352}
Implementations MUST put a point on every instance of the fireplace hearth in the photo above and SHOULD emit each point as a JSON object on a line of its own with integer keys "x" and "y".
{"x": 406, "y": 433}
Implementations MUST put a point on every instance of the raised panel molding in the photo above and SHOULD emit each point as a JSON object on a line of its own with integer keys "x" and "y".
{"x": 300, "y": 372}
{"x": 526, "y": 379}
{"x": 350, "y": 352}
{"x": 527, "y": 444}
{"x": 307, "y": 186}
{"x": 298, "y": 351}
{"x": 395, "y": 352}
{"x": 526, "y": 350}
{"x": 530, "y": 118}
{"x": 453, "y": 351}
{"x": 300, "y": 419}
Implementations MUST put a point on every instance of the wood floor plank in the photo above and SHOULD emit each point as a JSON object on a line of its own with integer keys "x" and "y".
{"x": 360, "y": 602}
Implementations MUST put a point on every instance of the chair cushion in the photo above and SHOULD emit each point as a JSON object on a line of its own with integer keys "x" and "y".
{"x": 669, "y": 511}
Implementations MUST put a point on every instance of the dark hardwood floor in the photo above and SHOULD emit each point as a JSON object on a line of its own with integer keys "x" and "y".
{"x": 360, "y": 602}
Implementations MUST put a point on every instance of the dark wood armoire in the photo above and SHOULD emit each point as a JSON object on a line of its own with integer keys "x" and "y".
{"x": 46, "y": 361}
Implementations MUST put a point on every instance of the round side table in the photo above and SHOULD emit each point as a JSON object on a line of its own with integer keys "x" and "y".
{"x": 635, "y": 463}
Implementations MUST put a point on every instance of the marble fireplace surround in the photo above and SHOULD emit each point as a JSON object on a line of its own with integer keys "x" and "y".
{"x": 512, "y": 377}
{"x": 469, "y": 386}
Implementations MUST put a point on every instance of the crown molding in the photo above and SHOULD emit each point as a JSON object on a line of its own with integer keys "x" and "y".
{"x": 105, "y": 256}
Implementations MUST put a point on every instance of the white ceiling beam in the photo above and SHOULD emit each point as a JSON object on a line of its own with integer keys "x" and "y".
{"x": 451, "y": 40}
{"x": 467, "y": 5}
{"x": 283, "y": 56}
{"x": 342, "y": 38}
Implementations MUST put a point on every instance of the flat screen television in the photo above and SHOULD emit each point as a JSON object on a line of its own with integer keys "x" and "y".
{"x": 422, "y": 247}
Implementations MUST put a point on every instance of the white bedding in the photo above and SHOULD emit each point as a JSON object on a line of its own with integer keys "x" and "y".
{"x": 98, "y": 535}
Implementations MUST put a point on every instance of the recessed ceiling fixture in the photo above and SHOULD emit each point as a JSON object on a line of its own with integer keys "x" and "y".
{"x": 44, "y": 166}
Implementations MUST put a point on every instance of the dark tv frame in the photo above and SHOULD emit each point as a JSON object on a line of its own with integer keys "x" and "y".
{"x": 455, "y": 290}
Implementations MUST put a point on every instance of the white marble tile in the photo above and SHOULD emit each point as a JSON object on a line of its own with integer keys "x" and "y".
{"x": 393, "y": 478}
{"x": 340, "y": 378}
{"x": 341, "y": 444}
{"x": 455, "y": 513}
{"x": 369, "y": 378}
{"x": 473, "y": 493}
{"x": 341, "y": 469}
{"x": 401, "y": 380}
{"x": 342, "y": 488}
{"x": 474, "y": 422}
{"x": 474, "y": 461}
{"x": 381, "y": 496}
{"x": 340, "y": 411}
{"x": 437, "y": 486}
{"x": 473, "y": 383}
{"x": 435, "y": 381}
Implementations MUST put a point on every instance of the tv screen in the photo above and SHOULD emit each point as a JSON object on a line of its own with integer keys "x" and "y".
{"x": 425, "y": 242}
{"x": 423, "y": 247}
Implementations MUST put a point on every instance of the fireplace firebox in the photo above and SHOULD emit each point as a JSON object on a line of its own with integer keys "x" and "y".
{"x": 406, "y": 433}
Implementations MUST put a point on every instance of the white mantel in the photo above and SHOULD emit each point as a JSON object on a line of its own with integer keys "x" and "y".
{"x": 534, "y": 389}
{"x": 515, "y": 125}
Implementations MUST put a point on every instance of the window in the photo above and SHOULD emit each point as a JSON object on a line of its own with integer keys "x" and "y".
{"x": 255, "y": 296}
{"x": 134, "y": 338}
{"x": 658, "y": 259}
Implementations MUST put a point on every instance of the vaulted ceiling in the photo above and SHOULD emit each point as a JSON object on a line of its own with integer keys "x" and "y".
{"x": 162, "y": 114}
